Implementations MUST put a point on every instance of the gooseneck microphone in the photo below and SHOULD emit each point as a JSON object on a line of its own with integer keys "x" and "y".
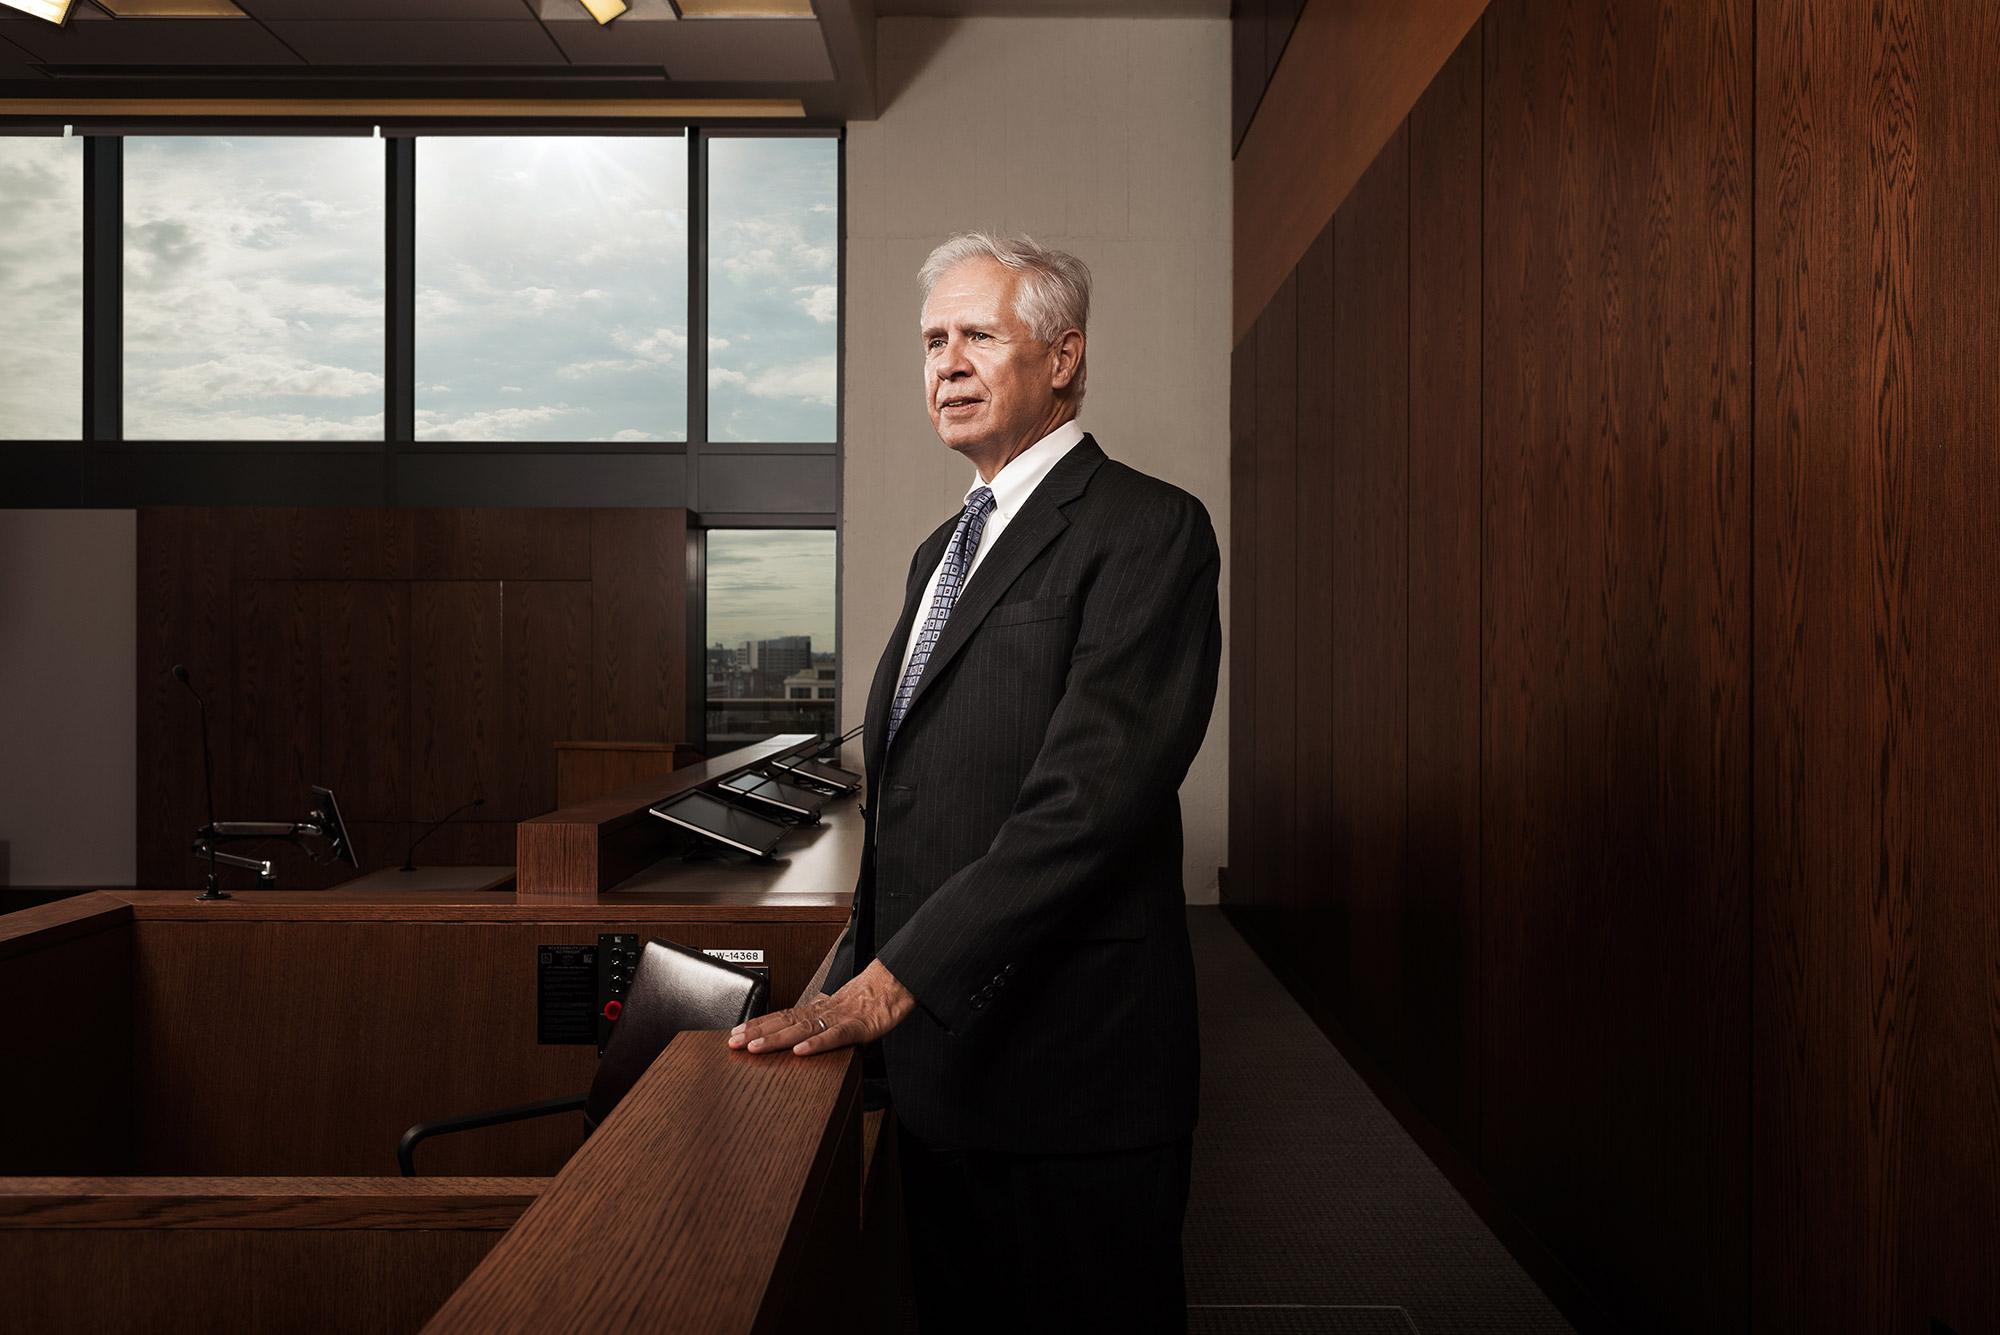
{"x": 410, "y": 858}
{"x": 215, "y": 890}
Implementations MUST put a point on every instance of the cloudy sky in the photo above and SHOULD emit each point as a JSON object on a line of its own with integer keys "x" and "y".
{"x": 551, "y": 288}
{"x": 41, "y": 288}
{"x": 774, "y": 270}
{"x": 763, "y": 584}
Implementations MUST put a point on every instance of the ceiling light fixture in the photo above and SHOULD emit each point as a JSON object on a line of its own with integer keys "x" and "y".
{"x": 743, "y": 9}
{"x": 604, "y": 10}
{"x": 172, "y": 9}
{"x": 55, "y": 11}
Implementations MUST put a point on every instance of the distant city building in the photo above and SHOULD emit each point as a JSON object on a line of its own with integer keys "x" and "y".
{"x": 781, "y": 657}
{"x": 812, "y": 684}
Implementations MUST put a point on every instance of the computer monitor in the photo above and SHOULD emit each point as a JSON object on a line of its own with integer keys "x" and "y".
{"x": 710, "y": 817}
{"x": 818, "y": 772}
{"x": 789, "y": 801}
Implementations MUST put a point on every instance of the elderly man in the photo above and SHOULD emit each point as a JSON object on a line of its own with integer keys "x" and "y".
{"x": 1019, "y": 946}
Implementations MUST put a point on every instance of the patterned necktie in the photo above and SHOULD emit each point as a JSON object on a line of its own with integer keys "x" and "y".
{"x": 951, "y": 576}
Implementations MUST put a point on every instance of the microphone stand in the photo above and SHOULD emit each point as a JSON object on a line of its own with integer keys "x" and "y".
{"x": 410, "y": 858}
{"x": 215, "y": 890}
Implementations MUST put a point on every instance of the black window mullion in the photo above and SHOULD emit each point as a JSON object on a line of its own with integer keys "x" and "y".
{"x": 399, "y": 359}
{"x": 697, "y": 355}
{"x": 103, "y": 294}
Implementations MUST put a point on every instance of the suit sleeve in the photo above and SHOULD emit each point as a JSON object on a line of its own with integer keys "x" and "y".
{"x": 1136, "y": 704}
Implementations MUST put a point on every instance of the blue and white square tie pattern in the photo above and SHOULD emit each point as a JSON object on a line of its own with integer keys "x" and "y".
{"x": 951, "y": 576}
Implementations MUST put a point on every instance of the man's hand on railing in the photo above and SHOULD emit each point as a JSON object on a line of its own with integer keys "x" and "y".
{"x": 871, "y": 1004}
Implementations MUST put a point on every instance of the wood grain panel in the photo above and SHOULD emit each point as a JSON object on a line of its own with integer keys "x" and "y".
{"x": 1276, "y": 672}
{"x": 1369, "y": 679}
{"x": 545, "y": 643}
{"x": 639, "y": 626}
{"x": 234, "y": 1282}
{"x": 183, "y": 617}
{"x": 1878, "y": 963}
{"x": 458, "y": 721}
{"x": 364, "y": 640}
{"x": 264, "y": 1076}
{"x": 1350, "y": 74}
{"x": 322, "y": 543}
{"x": 1240, "y": 886}
{"x": 274, "y": 751}
{"x": 1615, "y": 775}
{"x": 502, "y": 544}
{"x": 1441, "y": 924}
{"x": 585, "y": 770}
{"x": 1315, "y": 911}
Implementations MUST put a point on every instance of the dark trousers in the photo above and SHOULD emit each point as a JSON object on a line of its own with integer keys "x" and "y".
{"x": 1045, "y": 1242}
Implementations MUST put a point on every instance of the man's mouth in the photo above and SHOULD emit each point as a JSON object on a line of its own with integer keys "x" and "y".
{"x": 959, "y": 404}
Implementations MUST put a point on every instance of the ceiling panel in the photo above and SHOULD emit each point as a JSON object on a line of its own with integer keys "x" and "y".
{"x": 618, "y": 43}
{"x": 421, "y": 42}
{"x": 768, "y": 50}
{"x": 150, "y": 42}
{"x": 387, "y": 9}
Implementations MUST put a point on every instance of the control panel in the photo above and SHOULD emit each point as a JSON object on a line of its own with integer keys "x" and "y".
{"x": 617, "y": 960}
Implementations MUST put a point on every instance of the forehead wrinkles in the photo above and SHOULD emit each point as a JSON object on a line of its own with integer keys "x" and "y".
{"x": 984, "y": 298}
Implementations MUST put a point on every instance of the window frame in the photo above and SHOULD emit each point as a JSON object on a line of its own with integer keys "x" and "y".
{"x": 759, "y": 482}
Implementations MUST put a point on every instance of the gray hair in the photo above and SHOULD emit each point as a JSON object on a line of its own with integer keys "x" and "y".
{"x": 1052, "y": 297}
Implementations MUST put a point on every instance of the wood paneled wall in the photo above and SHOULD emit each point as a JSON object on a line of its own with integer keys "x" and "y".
{"x": 1877, "y": 753}
{"x": 407, "y": 659}
{"x": 1615, "y": 741}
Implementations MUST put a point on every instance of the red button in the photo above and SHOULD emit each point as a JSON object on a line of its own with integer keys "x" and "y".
{"x": 611, "y": 1009}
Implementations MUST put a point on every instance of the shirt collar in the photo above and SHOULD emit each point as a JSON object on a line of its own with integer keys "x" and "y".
{"x": 1013, "y": 484}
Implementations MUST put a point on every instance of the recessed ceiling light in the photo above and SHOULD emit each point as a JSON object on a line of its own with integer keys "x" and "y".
{"x": 604, "y": 10}
{"x": 55, "y": 11}
{"x": 172, "y": 9}
{"x": 744, "y": 9}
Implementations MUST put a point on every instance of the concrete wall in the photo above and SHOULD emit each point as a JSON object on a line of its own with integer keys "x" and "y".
{"x": 68, "y": 615}
{"x": 1107, "y": 138}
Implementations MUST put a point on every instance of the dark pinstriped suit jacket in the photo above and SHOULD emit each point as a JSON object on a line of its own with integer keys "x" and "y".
{"x": 1023, "y": 872}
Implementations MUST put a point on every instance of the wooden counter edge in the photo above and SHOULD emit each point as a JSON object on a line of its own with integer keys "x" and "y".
{"x": 682, "y": 1210}
{"x": 229, "y": 1203}
{"x": 45, "y": 925}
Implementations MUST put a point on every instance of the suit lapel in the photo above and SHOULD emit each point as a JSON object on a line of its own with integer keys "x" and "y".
{"x": 1037, "y": 525}
{"x": 882, "y": 690}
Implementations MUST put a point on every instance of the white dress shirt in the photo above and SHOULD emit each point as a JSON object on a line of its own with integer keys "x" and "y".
{"x": 1012, "y": 486}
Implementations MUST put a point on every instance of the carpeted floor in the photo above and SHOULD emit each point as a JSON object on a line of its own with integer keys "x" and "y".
{"x": 1312, "y": 1212}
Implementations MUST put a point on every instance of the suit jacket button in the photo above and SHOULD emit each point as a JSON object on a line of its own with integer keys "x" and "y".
{"x": 977, "y": 1002}
{"x": 1008, "y": 971}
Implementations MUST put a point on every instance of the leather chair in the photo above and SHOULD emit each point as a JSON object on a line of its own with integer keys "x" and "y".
{"x": 674, "y": 988}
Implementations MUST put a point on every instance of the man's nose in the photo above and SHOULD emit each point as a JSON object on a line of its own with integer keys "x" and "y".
{"x": 951, "y": 361}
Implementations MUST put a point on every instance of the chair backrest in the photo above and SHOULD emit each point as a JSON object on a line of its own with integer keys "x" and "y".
{"x": 674, "y": 988}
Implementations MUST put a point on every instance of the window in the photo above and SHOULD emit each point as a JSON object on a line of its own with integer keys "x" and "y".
{"x": 770, "y": 634}
{"x": 773, "y": 289}
{"x": 41, "y": 288}
{"x": 253, "y": 288}
{"x": 552, "y": 278}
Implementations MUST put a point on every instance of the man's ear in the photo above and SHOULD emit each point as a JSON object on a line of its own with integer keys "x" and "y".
{"x": 1068, "y": 350}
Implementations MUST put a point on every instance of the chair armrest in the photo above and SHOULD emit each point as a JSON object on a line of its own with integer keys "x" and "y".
{"x": 406, "y": 1148}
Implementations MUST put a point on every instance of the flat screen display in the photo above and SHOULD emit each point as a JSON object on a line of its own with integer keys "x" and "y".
{"x": 815, "y": 771}
{"x": 707, "y": 814}
{"x": 781, "y": 796}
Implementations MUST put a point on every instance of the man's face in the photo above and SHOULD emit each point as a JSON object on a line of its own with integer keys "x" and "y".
{"x": 989, "y": 382}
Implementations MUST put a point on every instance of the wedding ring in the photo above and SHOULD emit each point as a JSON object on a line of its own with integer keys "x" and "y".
{"x": 822, "y": 1023}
